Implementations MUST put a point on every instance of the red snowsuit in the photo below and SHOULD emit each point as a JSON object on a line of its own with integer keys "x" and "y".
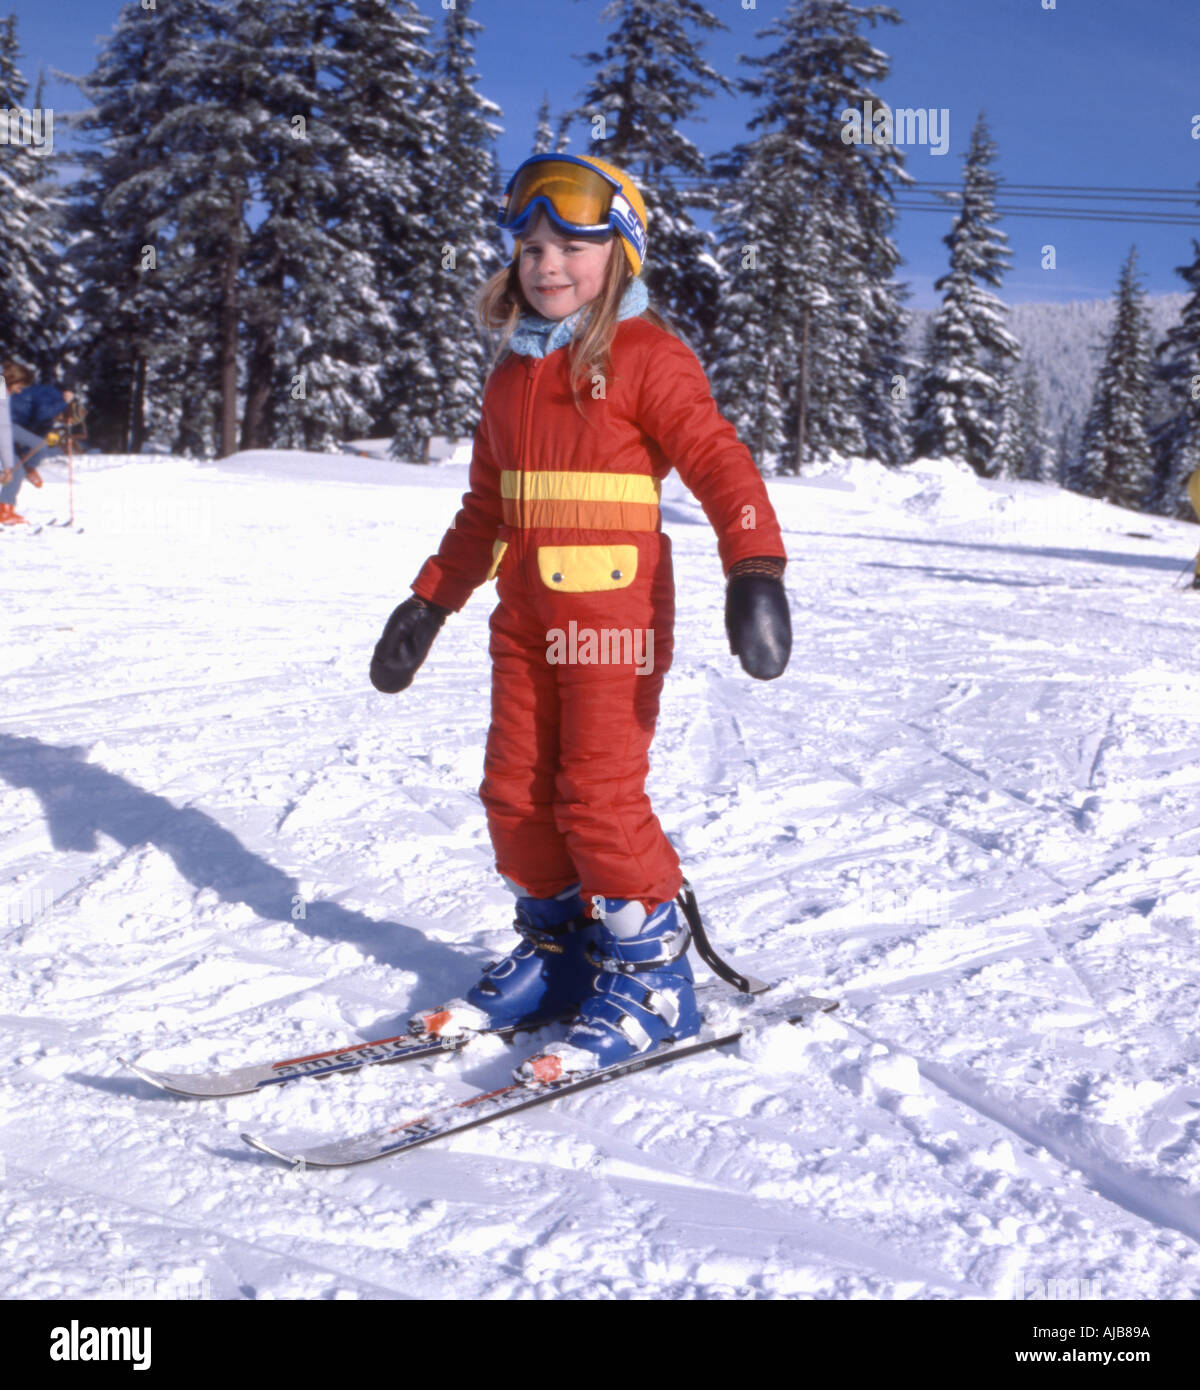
{"x": 567, "y": 507}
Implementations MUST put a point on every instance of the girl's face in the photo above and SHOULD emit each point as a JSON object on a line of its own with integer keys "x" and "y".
{"x": 560, "y": 273}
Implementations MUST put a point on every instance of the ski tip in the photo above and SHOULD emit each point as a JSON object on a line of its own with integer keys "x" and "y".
{"x": 172, "y": 1085}
{"x": 145, "y": 1073}
{"x": 263, "y": 1147}
{"x": 298, "y": 1162}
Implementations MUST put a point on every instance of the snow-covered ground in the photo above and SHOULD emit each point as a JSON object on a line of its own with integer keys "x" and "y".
{"x": 970, "y": 810}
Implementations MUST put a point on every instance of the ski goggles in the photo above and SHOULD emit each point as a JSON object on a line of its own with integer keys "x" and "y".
{"x": 577, "y": 197}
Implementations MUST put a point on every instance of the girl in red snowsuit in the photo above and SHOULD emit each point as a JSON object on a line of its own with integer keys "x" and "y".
{"x": 590, "y": 407}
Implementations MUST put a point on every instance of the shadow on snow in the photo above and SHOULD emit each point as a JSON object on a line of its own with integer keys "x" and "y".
{"x": 79, "y": 800}
{"x": 1124, "y": 559}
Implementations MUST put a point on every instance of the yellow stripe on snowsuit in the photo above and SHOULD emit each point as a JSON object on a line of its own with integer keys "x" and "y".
{"x": 580, "y": 501}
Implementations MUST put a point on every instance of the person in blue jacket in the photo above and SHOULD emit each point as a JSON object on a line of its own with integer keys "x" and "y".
{"x": 33, "y": 408}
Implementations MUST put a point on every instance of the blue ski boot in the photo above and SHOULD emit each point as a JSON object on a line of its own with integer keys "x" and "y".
{"x": 643, "y": 993}
{"x": 543, "y": 979}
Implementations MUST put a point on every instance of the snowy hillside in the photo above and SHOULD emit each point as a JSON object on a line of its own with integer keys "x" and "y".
{"x": 970, "y": 810}
{"x": 1065, "y": 345}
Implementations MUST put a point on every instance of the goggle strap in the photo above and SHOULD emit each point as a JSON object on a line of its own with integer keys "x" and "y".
{"x": 627, "y": 222}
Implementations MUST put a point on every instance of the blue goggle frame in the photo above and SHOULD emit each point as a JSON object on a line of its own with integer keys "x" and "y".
{"x": 621, "y": 216}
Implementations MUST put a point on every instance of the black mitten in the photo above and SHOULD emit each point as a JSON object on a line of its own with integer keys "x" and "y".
{"x": 405, "y": 644}
{"x": 757, "y": 618}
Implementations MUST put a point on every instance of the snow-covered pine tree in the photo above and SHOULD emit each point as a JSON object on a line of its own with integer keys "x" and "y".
{"x": 130, "y": 321}
{"x": 291, "y": 254}
{"x": 273, "y": 156}
{"x": 1022, "y": 442}
{"x": 830, "y": 293}
{"x": 211, "y": 140}
{"x": 445, "y": 351}
{"x": 1011, "y": 444}
{"x": 50, "y": 240}
{"x": 341, "y": 365}
{"x": 805, "y": 249}
{"x": 752, "y": 373}
{"x": 1038, "y": 463}
{"x": 383, "y": 185}
{"x": 1175, "y": 440}
{"x": 649, "y": 78}
{"x": 249, "y": 162}
{"x": 954, "y": 411}
{"x": 928, "y": 342}
{"x": 31, "y": 287}
{"x": 192, "y": 192}
{"x": 543, "y": 137}
{"x": 889, "y": 368}
{"x": 317, "y": 328}
{"x": 1117, "y": 464}
{"x": 1066, "y": 456}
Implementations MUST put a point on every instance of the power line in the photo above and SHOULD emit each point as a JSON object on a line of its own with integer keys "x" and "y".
{"x": 931, "y": 195}
{"x": 1192, "y": 201}
{"x": 1149, "y": 219}
{"x": 1064, "y": 202}
{"x": 1191, "y": 195}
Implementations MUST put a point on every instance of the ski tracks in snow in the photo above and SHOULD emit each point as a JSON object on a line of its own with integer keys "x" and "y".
{"x": 968, "y": 809}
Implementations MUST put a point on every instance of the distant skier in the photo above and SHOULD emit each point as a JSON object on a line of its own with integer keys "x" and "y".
{"x": 591, "y": 401}
{"x": 12, "y": 474}
{"x": 33, "y": 408}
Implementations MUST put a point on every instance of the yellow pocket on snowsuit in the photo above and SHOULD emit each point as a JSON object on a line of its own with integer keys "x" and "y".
{"x": 498, "y": 549}
{"x": 587, "y": 569}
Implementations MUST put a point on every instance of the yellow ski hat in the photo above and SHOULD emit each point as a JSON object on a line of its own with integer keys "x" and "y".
{"x": 578, "y": 193}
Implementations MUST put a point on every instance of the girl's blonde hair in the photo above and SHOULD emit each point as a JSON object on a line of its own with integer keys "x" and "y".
{"x": 500, "y": 304}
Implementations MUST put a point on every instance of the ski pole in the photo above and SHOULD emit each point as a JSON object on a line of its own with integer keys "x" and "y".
{"x": 746, "y": 984}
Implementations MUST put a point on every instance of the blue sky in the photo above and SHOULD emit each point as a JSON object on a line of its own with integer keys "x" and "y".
{"x": 1092, "y": 92}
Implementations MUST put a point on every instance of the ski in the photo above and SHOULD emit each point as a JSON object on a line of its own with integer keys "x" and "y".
{"x": 482, "y": 1109}
{"x": 404, "y": 1047}
{"x": 215, "y": 1085}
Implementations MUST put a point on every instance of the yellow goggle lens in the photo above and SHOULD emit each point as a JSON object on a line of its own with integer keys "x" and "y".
{"x": 579, "y": 195}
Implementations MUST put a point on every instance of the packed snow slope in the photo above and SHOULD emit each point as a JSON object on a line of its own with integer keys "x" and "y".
{"x": 970, "y": 810}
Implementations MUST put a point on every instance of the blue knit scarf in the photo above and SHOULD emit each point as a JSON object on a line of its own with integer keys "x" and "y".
{"x": 535, "y": 336}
